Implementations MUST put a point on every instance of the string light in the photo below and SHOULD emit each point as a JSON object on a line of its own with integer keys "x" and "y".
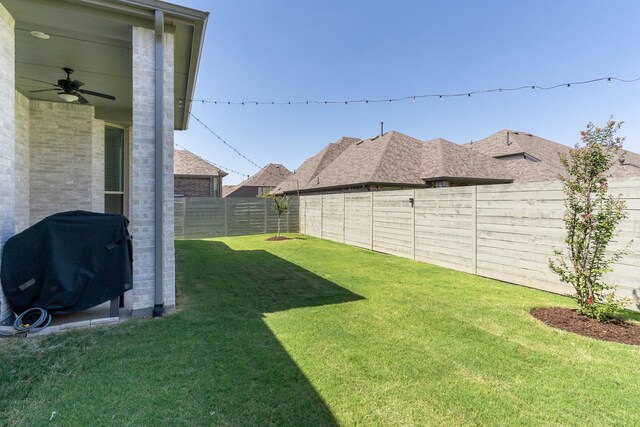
{"x": 233, "y": 148}
{"x": 416, "y": 97}
{"x": 208, "y": 161}
{"x": 225, "y": 142}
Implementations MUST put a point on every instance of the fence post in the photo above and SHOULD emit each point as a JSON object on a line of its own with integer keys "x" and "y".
{"x": 474, "y": 230}
{"x": 225, "y": 216}
{"x": 266, "y": 215}
{"x": 291, "y": 203}
{"x": 371, "y": 220}
{"x": 184, "y": 218}
{"x": 413, "y": 225}
{"x": 321, "y": 213}
{"x": 344, "y": 217}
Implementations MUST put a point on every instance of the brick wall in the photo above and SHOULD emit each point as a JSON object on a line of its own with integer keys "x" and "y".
{"x": 142, "y": 172}
{"x": 22, "y": 162}
{"x": 97, "y": 166}
{"x": 7, "y": 135}
{"x": 193, "y": 186}
{"x": 59, "y": 176}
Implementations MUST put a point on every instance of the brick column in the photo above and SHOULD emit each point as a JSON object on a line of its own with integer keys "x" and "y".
{"x": 7, "y": 136}
{"x": 142, "y": 169}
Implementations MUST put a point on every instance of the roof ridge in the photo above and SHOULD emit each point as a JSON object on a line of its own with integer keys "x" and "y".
{"x": 220, "y": 171}
{"x": 342, "y": 139}
{"x": 382, "y": 155}
{"x": 440, "y": 154}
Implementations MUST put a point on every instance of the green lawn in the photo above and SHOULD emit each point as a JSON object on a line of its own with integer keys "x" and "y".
{"x": 310, "y": 332}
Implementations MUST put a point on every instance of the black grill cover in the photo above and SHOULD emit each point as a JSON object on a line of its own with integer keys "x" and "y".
{"x": 68, "y": 262}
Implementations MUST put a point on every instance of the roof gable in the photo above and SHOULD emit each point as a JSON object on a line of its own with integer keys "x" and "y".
{"x": 311, "y": 167}
{"x": 187, "y": 163}
{"x": 444, "y": 159}
{"x": 269, "y": 176}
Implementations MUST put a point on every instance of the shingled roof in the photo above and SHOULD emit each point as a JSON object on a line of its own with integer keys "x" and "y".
{"x": 443, "y": 160}
{"x": 269, "y": 176}
{"x": 522, "y": 151}
{"x": 396, "y": 159}
{"x": 187, "y": 163}
{"x": 627, "y": 165}
{"x": 371, "y": 161}
{"x": 313, "y": 166}
{"x": 226, "y": 189}
{"x": 529, "y": 158}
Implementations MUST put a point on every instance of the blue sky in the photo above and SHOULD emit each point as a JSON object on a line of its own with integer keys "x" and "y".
{"x": 298, "y": 50}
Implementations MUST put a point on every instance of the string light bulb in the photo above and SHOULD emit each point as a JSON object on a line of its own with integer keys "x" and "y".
{"x": 533, "y": 88}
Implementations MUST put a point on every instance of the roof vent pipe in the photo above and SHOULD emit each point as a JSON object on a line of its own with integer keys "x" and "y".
{"x": 381, "y": 128}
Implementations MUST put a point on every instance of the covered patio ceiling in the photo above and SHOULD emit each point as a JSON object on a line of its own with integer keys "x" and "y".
{"x": 93, "y": 37}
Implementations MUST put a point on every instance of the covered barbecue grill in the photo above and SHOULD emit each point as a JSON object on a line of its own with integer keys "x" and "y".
{"x": 68, "y": 262}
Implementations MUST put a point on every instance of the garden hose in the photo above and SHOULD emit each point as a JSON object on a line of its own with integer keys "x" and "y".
{"x": 32, "y": 320}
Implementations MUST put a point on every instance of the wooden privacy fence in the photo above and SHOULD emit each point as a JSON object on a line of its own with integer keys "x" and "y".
{"x": 196, "y": 217}
{"x": 506, "y": 232}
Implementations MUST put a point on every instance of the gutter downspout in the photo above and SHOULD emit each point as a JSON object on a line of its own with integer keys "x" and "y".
{"x": 158, "y": 307}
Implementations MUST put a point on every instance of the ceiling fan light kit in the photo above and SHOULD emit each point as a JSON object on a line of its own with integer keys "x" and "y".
{"x": 69, "y": 97}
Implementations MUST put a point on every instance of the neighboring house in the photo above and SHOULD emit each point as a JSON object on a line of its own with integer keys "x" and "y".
{"x": 226, "y": 189}
{"x": 194, "y": 176}
{"x": 395, "y": 161}
{"x": 66, "y": 148}
{"x": 313, "y": 166}
{"x": 390, "y": 162}
{"x": 261, "y": 183}
{"x": 529, "y": 158}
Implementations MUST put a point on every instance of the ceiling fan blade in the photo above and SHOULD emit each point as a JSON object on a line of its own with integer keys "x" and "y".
{"x": 42, "y": 90}
{"x": 101, "y": 95}
{"x": 77, "y": 83}
{"x": 81, "y": 98}
{"x": 39, "y": 81}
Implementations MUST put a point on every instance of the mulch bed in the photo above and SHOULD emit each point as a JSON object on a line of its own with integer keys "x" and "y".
{"x": 277, "y": 238}
{"x": 569, "y": 320}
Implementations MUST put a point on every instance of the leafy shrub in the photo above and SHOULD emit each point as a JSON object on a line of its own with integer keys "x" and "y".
{"x": 591, "y": 217}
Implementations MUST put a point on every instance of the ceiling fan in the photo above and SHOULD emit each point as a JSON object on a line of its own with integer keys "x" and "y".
{"x": 70, "y": 89}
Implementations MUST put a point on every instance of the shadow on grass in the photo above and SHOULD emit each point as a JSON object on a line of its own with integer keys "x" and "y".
{"x": 253, "y": 378}
{"x": 216, "y": 362}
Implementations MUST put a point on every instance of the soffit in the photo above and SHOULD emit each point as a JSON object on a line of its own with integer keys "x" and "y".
{"x": 94, "y": 39}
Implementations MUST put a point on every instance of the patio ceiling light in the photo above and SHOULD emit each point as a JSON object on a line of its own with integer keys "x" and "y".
{"x": 69, "y": 97}
{"x": 40, "y": 35}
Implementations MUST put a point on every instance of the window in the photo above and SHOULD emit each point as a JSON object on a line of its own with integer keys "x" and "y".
{"x": 113, "y": 170}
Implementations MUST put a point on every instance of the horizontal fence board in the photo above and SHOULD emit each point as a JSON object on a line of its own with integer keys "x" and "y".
{"x": 216, "y": 217}
{"x": 443, "y": 251}
{"x": 507, "y": 232}
{"x": 447, "y": 262}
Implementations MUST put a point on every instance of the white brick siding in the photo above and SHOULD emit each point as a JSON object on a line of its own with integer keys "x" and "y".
{"x": 142, "y": 172}
{"x": 59, "y": 155}
{"x": 7, "y": 135}
{"x": 97, "y": 166}
{"x": 22, "y": 162}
